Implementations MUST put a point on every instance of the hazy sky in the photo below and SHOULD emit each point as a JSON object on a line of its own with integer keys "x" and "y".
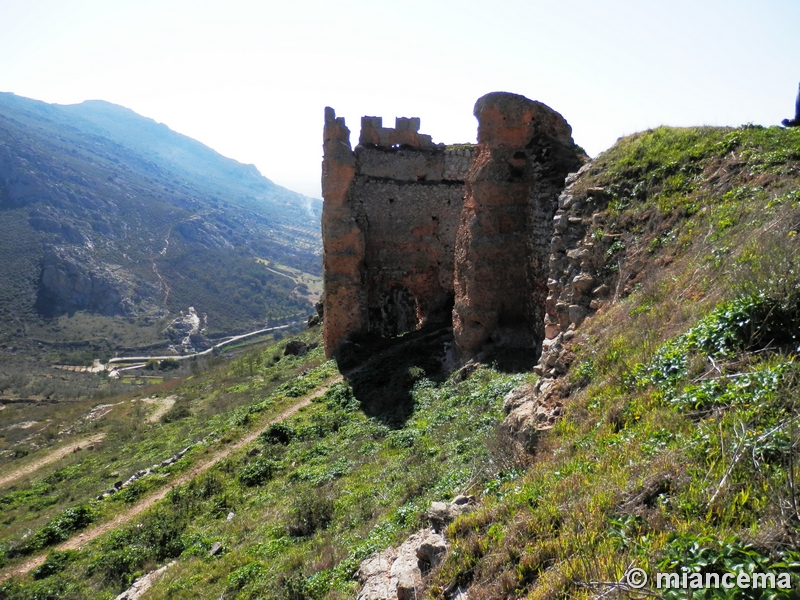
{"x": 251, "y": 79}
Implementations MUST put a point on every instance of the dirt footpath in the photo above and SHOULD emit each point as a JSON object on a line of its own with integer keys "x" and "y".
{"x": 50, "y": 458}
{"x": 94, "y": 532}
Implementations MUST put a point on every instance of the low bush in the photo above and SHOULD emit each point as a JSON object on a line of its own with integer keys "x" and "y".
{"x": 312, "y": 510}
{"x": 258, "y": 471}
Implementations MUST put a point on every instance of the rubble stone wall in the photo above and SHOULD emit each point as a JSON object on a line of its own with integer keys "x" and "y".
{"x": 414, "y": 232}
{"x": 389, "y": 224}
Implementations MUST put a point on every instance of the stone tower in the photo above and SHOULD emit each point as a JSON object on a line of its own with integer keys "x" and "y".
{"x": 414, "y": 232}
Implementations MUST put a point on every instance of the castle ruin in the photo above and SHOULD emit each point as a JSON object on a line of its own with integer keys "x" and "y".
{"x": 416, "y": 233}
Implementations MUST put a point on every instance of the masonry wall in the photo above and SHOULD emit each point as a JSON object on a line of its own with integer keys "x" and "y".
{"x": 415, "y": 233}
{"x": 524, "y": 153}
{"x": 389, "y": 229}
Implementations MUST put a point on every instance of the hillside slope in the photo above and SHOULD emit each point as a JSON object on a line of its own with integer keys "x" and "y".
{"x": 659, "y": 432}
{"x": 107, "y": 214}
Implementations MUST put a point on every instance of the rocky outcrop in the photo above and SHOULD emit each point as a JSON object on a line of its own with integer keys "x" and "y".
{"x": 156, "y": 468}
{"x": 398, "y": 573}
{"x": 140, "y": 587}
{"x": 186, "y": 332}
{"x": 202, "y": 232}
{"x": 530, "y": 409}
{"x": 440, "y": 514}
{"x": 525, "y": 150}
{"x": 71, "y": 282}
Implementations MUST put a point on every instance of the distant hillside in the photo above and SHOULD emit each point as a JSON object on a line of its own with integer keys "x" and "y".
{"x": 109, "y": 214}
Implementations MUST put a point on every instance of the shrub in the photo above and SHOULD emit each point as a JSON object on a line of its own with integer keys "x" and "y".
{"x": 705, "y": 554}
{"x": 258, "y": 471}
{"x": 312, "y": 511}
{"x": 158, "y": 536}
{"x": 176, "y": 413}
{"x": 54, "y": 563}
{"x": 169, "y": 364}
{"x": 61, "y": 527}
{"x": 277, "y": 433}
{"x": 244, "y": 575}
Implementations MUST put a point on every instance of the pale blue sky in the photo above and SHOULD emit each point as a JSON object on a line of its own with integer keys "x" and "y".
{"x": 251, "y": 79}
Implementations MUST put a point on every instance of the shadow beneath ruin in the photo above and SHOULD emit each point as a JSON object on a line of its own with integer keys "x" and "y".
{"x": 382, "y": 372}
{"x": 512, "y": 360}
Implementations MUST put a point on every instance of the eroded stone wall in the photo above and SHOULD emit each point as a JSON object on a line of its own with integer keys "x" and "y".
{"x": 403, "y": 247}
{"x": 525, "y": 151}
{"x": 342, "y": 238}
{"x": 389, "y": 225}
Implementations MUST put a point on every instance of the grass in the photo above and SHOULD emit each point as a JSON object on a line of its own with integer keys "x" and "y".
{"x": 209, "y": 404}
{"x": 305, "y": 488}
{"x": 678, "y": 449}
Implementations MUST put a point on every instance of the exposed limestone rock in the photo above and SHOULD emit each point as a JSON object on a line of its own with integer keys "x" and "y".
{"x": 119, "y": 485}
{"x": 49, "y": 223}
{"x": 185, "y": 332}
{"x": 397, "y": 573}
{"x": 314, "y": 320}
{"x": 442, "y": 513}
{"x": 530, "y": 409}
{"x": 525, "y": 151}
{"x": 195, "y": 229}
{"x": 70, "y": 282}
{"x": 144, "y": 583}
{"x": 431, "y": 551}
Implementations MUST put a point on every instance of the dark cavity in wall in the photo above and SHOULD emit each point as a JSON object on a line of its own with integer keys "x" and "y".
{"x": 397, "y": 313}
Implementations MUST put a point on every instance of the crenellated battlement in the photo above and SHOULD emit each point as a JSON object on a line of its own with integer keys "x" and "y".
{"x": 404, "y": 133}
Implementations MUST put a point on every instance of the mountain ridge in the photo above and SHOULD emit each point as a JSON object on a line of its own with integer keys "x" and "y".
{"x": 120, "y": 217}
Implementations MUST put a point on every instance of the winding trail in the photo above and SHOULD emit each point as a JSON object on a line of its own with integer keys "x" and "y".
{"x": 49, "y": 458}
{"x": 94, "y": 532}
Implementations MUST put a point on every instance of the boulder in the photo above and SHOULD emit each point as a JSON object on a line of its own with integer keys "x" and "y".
{"x": 295, "y": 348}
{"x": 529, "y": 410}
{"x": 442, "y": 513}
{"x": 431, "y": 550}
{"x": 398, "y": 573}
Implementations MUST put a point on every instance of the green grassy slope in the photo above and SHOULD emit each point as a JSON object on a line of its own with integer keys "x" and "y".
{"x": 678, "y": 447}
{"x": 680, "y": 442}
